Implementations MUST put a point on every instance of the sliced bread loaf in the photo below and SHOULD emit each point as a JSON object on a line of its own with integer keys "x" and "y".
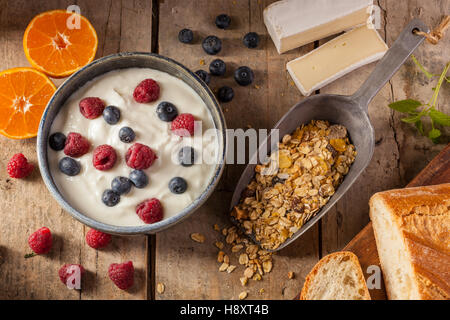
{"x": 337, "y": 276}
{"x": 412, "y": 231}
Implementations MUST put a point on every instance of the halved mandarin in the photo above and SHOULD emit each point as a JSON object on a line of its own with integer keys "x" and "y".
{"x": 24, "y": 94}
{"x": 59, "y": 43}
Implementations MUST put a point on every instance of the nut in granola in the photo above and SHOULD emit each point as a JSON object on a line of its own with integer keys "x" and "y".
{"x": 243, "y": 295}
{"x": 223, "y": 267}
{"x": 160, "y": 288}
{"x": 198, "y": 237}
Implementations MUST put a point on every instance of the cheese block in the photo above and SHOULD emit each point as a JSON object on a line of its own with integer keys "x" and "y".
{"x": 336, "y": 58}
{"x": 293, "y": 23}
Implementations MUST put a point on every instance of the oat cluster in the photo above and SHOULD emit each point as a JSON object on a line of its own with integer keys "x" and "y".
{"x": 295, "y": 183}
{"x": 255, "y": 260}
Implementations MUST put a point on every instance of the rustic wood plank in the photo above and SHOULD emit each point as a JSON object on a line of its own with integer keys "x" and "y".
{"x": 189, "y": 270}
{"x": 124, "y": 26}
{"x": 400, "y": 152}
{"x": 27, "y": 205}
{"x": 349, "y": 215}
{"x": 413, "y": 151}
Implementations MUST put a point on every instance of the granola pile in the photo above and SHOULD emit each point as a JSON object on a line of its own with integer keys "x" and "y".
{"x": 295, "y": 183}
{"x": 256, "y": 261}
{"x": 237, "y": 252}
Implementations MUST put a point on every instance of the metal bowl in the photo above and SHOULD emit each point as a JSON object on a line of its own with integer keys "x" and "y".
{"x": 122, "y": 61}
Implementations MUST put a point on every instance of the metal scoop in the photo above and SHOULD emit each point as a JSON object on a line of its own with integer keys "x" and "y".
{"x": 349, "y": 111}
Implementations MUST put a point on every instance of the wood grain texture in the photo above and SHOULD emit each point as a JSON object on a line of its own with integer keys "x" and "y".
{"x": 26, "y": 205}
{"x": 189, "y": 269}
{"x": 400, "y": 151}
{"x": 364, "y": 245}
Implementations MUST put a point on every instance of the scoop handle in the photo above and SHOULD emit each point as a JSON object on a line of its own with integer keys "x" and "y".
{"x": 394, "y": 58}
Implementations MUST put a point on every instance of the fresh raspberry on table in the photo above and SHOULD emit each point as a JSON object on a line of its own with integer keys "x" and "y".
{"x": 146, "y": 91}
{"x": 150, "y": 211}
{"x": 97, "y": 239}
{"x": 91, "y": 107}
{"x": 18, "y": 166}
{"x": 76, "y": 145}
{"x": 67, "y": 270}
{"x": 140, "y": 156}
{"x": 183, "y": 125}
{"x": 104, "y": 157}
{"x": 122, "y": 274}
{"x": 40, "y": 241}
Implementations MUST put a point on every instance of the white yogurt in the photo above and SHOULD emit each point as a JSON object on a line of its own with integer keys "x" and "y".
{"x": 84, "y": 191}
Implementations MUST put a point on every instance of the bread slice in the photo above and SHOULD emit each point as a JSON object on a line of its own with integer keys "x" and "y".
{"x": 338, "y": 276}
{"x": 412, "y": 232}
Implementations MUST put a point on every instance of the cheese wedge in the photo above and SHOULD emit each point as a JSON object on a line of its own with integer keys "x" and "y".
{"x": 293, "y": 23}
{"x": 336, "y": 58}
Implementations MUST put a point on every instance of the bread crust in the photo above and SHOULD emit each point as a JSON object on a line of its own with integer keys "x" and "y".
{"x": 423, "y": 216}
{"x": 340, "y": 254}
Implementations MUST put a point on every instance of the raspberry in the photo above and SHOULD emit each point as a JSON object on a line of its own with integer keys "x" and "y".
{"x": 140, "y": 156}
{"x": 41, "y": 241}
{"x": 122, "y": 274}
{"x": 76, "y": 145}
{"x": 67, "y": 271}
{"x": 18, "y": 166}
{"x": 146, "y": 91}
{"x": 104, "y": 157}
{"x": 92, "y": 107}
{"x": 183, "y": 125}
{"x": 150, "y": 211}
{"x": 97, "y": 239}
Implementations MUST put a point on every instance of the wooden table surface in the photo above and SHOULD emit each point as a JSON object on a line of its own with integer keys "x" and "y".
{"x": 189, "y": 270}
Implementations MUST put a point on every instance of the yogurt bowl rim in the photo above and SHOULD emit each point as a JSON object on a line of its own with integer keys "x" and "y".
{"x": 68, "y": 85}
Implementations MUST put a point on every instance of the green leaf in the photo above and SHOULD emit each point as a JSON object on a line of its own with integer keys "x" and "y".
{"x": 440, "y": 117}
{"x": 405, "y": 106}
{"x": 434, "y": 134}
{"x": 412, "y": 118}
{"x": 429, "y": 75}
{"x": 419, "y": 126}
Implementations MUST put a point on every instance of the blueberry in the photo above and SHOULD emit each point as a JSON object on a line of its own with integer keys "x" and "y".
{"x": 225, "y": 94}
{"x": 57, "y": 141}
{"x": 217, "y": 67}
{"x": 186, "y": 156}
{"x": 121, "y": 185}
{"x": 202, "y": 74}
{"x": 126, "y": 134}
{"x": 111, "y": 114}
{"x": 110, "y": 197}
{"x": 251, "y": 40}
{"x": 177, "y": 185}
{"x": 69, "y": 166}
{"x": 166, "y": 111}
{"x": 223, "y": 21}
{"x": 243, "y": 76}
{"x": 212, "y": 45}
{"x": 186, "y": 36}
{"x": 139, "y": 179}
